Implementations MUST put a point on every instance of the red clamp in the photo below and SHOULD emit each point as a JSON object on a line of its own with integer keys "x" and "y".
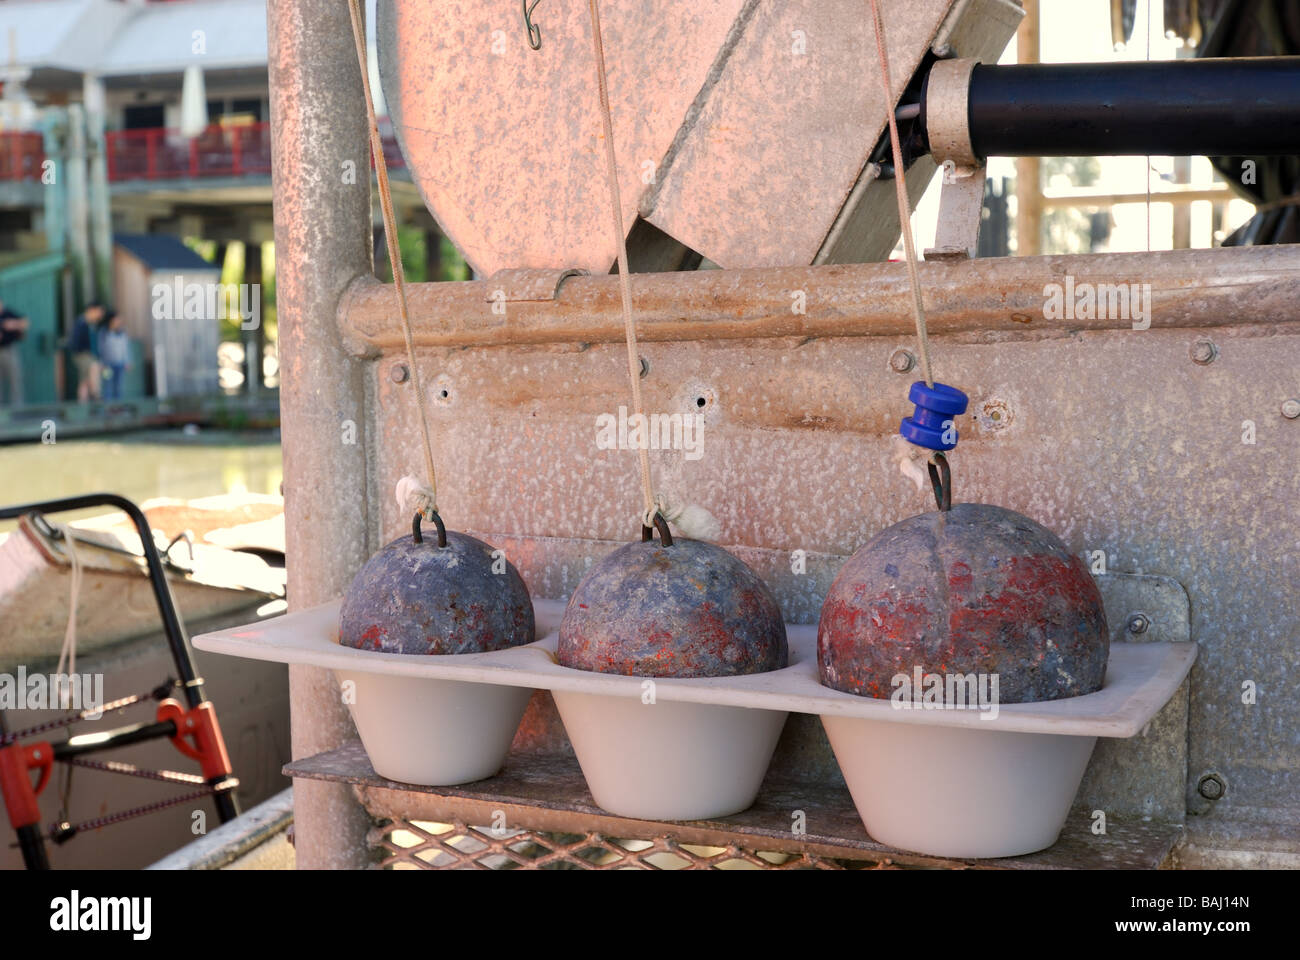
{"x": 198, "y": 736}
{"x": 16, "y": 763}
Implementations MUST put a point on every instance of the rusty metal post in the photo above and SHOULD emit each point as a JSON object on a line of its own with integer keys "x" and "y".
{"x": 321, "y": 181}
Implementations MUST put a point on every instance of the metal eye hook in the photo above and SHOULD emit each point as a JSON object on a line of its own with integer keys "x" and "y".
{"x": 534, "y": 32}
{"x": 665, "y": 536}
{"x": 418, "y": 535}
{"x": 941, "y": 481}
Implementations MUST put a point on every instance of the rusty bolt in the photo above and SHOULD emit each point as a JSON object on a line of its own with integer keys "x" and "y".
{"x": 398, "y": 373}
{"x": 901, "y": 361}
{"x": 1204, "y": 352}
{"x": 1211, "y": 786}
{"x": 1291, "y": 408}
{"x": 1138, "y": 624}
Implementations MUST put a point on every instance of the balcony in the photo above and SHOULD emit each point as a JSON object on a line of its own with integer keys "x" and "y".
{"x": 220, "y": 151}
{"x": 22, "y": 155}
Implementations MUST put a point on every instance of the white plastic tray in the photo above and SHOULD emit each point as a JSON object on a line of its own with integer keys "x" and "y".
{"x": 1140, "y": 677}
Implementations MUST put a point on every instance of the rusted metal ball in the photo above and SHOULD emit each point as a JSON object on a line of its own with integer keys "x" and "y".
{"x": 690, "y": 609}
{"x": 976, "y": 590}
{"x": 421, "y": 598}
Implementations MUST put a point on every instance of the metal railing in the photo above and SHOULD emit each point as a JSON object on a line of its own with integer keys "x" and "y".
{"x": 219, "y": 151}
{"x": 22, "y": 154}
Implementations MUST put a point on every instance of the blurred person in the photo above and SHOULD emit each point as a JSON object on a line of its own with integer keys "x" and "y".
{"x": 83, "y": 345}
{"x": 114, "y": 354}
{"x": 12, "y": 328}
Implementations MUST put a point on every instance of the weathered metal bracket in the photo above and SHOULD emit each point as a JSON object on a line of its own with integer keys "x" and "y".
{"x": 961, "y": 199}
{"x": 961, "y": 203}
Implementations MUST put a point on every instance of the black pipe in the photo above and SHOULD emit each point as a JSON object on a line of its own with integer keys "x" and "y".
{"x": 110, "y": 740}
{"x": 32, "y": 844}
{"x": 1231, "y": 107}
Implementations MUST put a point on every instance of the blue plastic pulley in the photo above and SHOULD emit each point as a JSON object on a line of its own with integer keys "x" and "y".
{"x": 935, "y": 409}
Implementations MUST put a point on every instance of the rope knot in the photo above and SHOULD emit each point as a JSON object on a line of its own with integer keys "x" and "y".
{"x": 416, "y": 497}
{"x": 693, "y": 521}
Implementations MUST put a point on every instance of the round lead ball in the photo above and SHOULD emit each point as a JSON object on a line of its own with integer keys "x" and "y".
{"x": 436, "y": 596}
{"x": 976, "y": 590}
{"x": 682, "y": 609}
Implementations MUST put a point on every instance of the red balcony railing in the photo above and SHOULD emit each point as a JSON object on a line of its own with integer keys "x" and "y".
{"x": 21, "y": 155}
{"x": 232, "y": 151}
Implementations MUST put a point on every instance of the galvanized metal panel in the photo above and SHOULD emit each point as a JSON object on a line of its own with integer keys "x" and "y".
{"x": 1116, "y": 440}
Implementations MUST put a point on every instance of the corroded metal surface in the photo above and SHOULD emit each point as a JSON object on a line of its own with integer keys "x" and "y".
{"x": 505, "y": 142}
{"x": 995, "y": 298}
{"x": 323, "y": 241}
{"x": 421, "y": 598}
{"x": 975, "y": 591}
{"x": 689, "y": 609}
{"x": 785, "y": 131}
{"x": 774, "y": 159}
{"x": 1149, "y": 470}
{"x": 742, "y": 129}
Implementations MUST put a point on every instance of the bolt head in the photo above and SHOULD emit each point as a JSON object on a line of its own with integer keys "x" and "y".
{"x": 901, "y": 361}
{"x": 1204, "y": 352}
{"x": 1211, "y": 786}
{"x": 399, "y": 373}
{"x": 1137, "y": 624}
{"x": 1291, "y": 409}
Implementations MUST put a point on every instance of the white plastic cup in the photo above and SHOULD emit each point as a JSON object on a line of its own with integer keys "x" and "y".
{"x": 958, "y": 792}
{"x": 434, "y": 733}
{"x": 669, "y": 760}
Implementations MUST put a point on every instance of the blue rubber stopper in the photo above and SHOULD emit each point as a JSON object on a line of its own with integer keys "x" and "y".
{"x": 935, "y": 408}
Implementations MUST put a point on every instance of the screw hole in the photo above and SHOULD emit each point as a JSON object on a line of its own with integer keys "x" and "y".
{"x": 700, "y": 401}
{"x": 443, "y": 394}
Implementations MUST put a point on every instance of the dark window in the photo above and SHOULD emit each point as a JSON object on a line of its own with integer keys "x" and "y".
{"x": 142, "y": 117}
{"x": 252, "y": 108}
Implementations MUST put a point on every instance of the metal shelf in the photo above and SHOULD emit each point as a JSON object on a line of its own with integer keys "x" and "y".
{"x": 547, "y": 793}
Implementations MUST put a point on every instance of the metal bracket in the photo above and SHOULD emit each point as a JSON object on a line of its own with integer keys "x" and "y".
{"x": 1141, "y": 608}
{"x": 961, "y": 199}
{"x": 961, "y": 204}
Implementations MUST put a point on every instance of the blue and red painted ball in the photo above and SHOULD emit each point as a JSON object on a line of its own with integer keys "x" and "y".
{"x": 976, "y": 590}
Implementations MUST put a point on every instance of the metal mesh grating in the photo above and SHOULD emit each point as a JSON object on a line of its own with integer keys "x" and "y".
{"x": 412, "y": 845}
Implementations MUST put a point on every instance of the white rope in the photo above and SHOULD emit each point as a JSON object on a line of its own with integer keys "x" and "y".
{"x": 693, "y": 521}
{"x": 616, "y": 206}
{"x": 904, "y": 211}
{"x": 394, "y": 255}
{"x": 68, "y": 654}
{"x": 415, "y": 497}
